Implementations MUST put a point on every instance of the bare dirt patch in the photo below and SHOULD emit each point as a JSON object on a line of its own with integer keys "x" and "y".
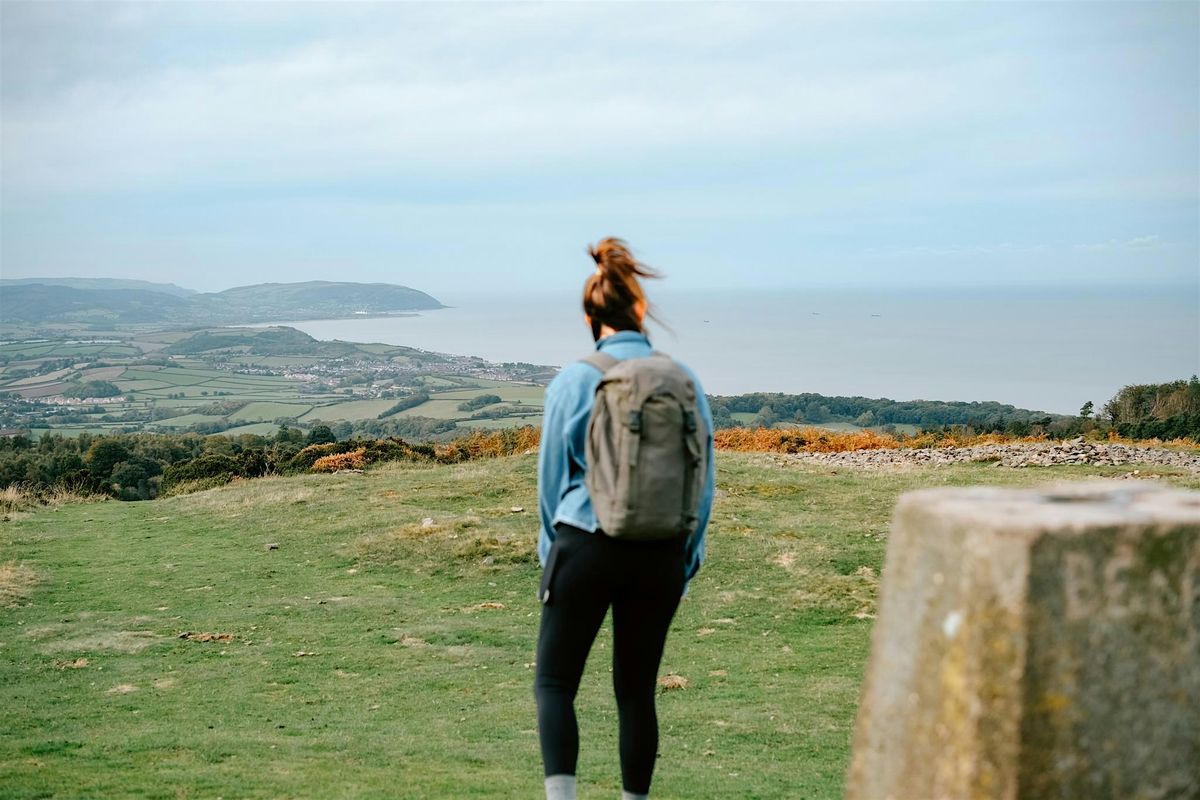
{"x": 672, "y": 682}
{"x": 785, "y": 560}
{"x": 411, "y": 641}
{"x": 16, "y": 583}
{"x": 205, "y": 636}
{"x": 78, "y": 663}
{"x": 469, "y": 538}
{"x": 123, "y": 688}
{"x": 490, "y": 605}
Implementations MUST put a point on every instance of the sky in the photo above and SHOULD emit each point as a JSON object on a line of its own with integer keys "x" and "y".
{"x": 462, "y": 146}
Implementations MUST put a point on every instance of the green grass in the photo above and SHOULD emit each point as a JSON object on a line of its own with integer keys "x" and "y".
{"x": 144, "y": 384}
{"x": 266, "y": 411}
{"x": 183, "y": 420}
{"x": 349, "y": 410}
{"x": 412, "y": 690}
{"x": 531, "y": 395}
{"x": 498, "y": 424}
{"x": 185, "y": 385}
{"x": 436, "y": 409}
{"x": 256, "y": 429}
{"x": 445, "y": 405}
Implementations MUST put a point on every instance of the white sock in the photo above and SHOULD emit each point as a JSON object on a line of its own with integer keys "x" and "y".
{"x": 560, "y": 787}
{"x": 628, "y": 795}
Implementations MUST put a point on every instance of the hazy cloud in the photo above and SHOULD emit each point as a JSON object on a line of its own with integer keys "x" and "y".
{"x": 286, "y": 137}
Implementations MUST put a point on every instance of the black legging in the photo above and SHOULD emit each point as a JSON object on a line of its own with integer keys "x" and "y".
{"x": 585, "y": 574}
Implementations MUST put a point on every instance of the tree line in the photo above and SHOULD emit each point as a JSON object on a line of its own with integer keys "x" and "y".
{"x": 142, "y": 466}
{"x": 816, "y": 409}
{"x": 139, "y": 466}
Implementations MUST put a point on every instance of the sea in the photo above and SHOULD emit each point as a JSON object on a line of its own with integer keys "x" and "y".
{"x": 1046, "y": 348}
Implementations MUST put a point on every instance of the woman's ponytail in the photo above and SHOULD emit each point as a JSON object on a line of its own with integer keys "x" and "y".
{"x": 612, "y": 292}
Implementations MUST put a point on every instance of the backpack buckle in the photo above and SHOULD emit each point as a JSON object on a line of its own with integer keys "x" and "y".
{"x": 635, "y": 421}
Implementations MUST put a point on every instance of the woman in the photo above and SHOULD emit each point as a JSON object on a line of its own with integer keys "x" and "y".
{"x": 586, "y": 571}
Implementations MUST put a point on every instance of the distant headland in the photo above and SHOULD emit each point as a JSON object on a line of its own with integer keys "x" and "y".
{"x": 128, "y": 302}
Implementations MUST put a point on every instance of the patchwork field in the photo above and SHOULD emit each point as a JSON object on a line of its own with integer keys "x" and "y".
{"x": 349, "y": 410}
{"x": 189, "y": 387}
{"x": 162, "y": 649}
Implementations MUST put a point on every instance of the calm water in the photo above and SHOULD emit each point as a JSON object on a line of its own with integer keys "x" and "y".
{"x": 1047, "y": 349}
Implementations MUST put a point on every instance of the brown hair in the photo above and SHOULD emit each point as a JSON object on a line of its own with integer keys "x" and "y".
{"x": 611, "y": 292}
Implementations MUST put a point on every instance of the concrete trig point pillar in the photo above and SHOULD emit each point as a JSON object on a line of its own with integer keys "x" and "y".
{"x": 1036, "y": 644}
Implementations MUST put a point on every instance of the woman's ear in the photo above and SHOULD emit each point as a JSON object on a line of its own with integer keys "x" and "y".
{"x": 587, "y": 320}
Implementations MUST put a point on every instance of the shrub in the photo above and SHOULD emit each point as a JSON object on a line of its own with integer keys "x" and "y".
{"x": 303, "y": 461}
{"x": 480, "y": 444}
{"x": 210, "y": 467}
{"x": 405, "y": 404}
{"x": 817, "y": 440}
{"x": 801, "y": 440}
{"x": 332, "y": 463}
{"x": 479, "y": 402}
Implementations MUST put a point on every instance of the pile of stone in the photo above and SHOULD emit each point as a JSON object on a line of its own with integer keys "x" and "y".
{"x": 1075, "y": 451}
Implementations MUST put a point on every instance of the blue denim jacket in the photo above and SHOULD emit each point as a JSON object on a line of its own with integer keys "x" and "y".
{"x": 562, "y": 497}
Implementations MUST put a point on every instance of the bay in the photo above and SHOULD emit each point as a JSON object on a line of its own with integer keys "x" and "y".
{"x": 1049, "y": 349}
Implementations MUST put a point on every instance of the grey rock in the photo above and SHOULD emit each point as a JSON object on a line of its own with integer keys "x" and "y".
{"x": 1036, "y": 644}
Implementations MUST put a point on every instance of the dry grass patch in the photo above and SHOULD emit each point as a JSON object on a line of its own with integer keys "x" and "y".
{"x": 672, "y": 682}
{"x": 234, "y": 498}
{"x": 19, "y": 497}
{"x": 854, "y": 595}
{"x": 76, "y": 663}
{"x": 120, "y": 641}
{"x": 206, "y": 636}
{"x": 411, "y": 641}
{"x": 16, "y": 583}
{"x": 466, "y": 538}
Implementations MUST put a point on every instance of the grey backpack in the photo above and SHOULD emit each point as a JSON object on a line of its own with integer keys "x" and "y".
{"x": 645, "y": 448}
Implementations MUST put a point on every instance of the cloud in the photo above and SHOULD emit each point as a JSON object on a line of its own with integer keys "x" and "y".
{"x": 498, "y": 90}
{"x": 270, "y": 134}
{"x": 1136, "y": 243}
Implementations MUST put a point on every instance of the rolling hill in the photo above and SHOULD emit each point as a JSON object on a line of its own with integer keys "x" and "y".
{"x": 102, "y": 283}
{"x": 116, "y": 302}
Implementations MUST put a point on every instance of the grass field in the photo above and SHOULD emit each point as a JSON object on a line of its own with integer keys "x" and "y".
{"x": 349, "y": 410}
{"x": 188, "y": 385}
{"x": 371, "y": 656}
{"x": 266, "y": 411}
{"x": 444, "y": 404}
{"x": 255, "y": 429}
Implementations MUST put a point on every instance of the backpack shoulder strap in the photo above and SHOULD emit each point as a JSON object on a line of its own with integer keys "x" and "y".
{"x": 601, "y": 361}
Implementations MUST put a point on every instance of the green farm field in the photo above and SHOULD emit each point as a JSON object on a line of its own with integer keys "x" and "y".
{"x": 371, "y": 656}
{"x": 268, "y": 410}
{"x": 348, "y": 410}
{"x": 188, "y": 387}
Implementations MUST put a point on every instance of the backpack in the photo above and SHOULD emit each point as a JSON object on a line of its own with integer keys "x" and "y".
{"x": 645, "y": 448}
